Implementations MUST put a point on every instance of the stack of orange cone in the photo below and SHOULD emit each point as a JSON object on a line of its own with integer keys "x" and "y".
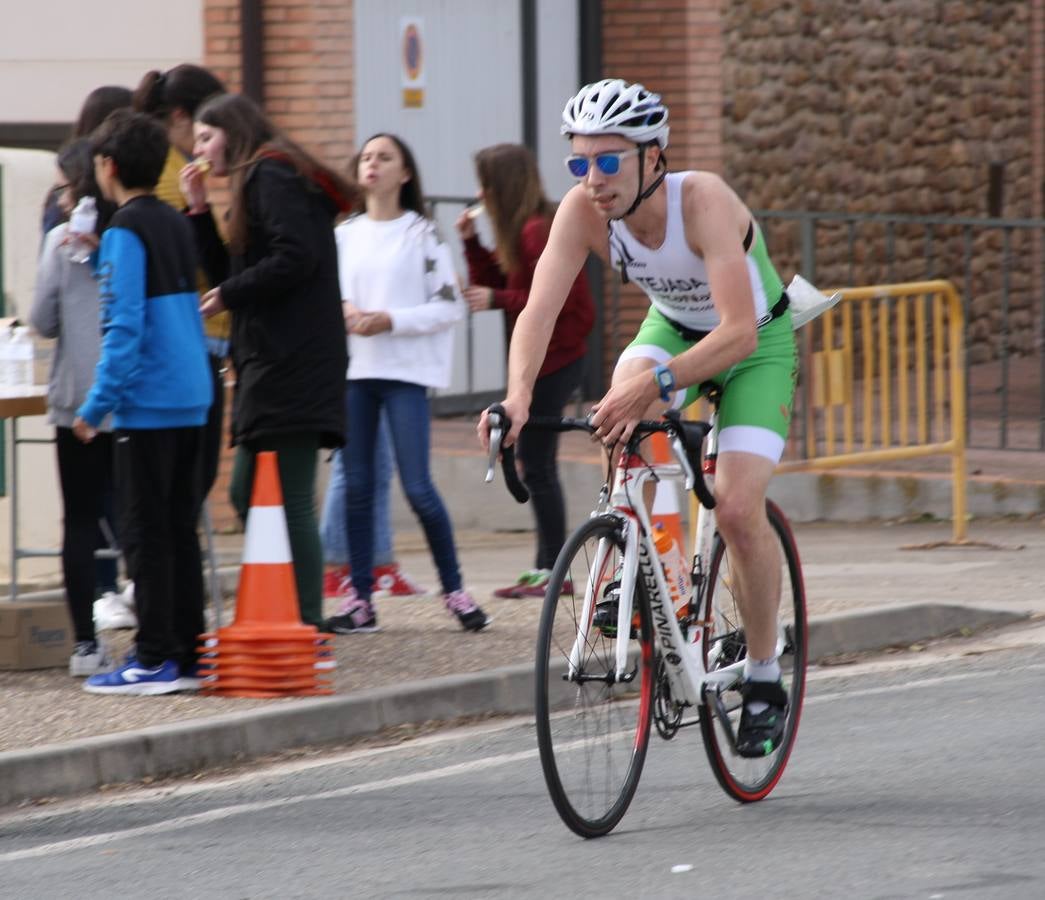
{"x": 666, "y": 508}
{"x": 267, "y": 651}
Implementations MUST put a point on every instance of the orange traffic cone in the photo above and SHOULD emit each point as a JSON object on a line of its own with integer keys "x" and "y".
{"x": 267, "y": 651}
{"x": 666, "y": 508}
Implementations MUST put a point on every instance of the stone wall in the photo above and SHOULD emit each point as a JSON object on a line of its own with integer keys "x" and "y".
{"x": 891, "y": 106}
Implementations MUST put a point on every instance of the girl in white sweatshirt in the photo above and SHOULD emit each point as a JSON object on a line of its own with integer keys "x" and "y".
{"x": 401, "y": 300}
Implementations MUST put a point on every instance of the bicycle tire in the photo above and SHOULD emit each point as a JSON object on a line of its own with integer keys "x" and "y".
{"x": 592, "y": 740}
{"x": 745, "y": 779}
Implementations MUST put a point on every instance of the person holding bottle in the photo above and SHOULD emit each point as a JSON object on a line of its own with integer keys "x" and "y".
{"x": 113, "y": 608}
{"x": 513, "y": 196}
{"x": 65, "y": 307}
{"x": 401, "y": 299}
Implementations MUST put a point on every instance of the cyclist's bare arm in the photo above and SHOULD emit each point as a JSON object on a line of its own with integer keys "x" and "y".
{"x": 576, "y": 231}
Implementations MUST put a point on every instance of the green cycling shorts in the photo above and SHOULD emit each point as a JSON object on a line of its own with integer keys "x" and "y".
{"x": 757, "y": 392}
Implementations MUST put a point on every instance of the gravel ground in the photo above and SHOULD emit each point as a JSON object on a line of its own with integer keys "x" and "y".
{"x": 418, "y": 640}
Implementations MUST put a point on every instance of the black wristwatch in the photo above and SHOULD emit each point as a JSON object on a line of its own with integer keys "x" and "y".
{"x": 665, "y": 381}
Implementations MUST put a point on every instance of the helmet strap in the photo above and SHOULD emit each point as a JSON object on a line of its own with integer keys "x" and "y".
{"x": 640, "y": 194}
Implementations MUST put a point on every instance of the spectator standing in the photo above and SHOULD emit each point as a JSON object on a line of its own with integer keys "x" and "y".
{"x": 521, "y": 215}
{"x": 400, "y": 301}
{"x": 112, "y": 609}
{"x": 65, "y": 306}
{"x": 152, "y": 377}
{"x": 278, "y": 277}
{"x": 172, "y": 98}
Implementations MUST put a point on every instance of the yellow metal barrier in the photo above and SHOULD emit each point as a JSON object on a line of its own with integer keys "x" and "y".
{"x": 886, "y": 381}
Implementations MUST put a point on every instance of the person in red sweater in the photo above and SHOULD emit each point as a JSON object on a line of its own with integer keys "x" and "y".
{"x": 521, "y": 215}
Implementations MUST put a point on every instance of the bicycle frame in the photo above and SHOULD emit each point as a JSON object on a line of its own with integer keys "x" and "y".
{"x": 683, "y": 656}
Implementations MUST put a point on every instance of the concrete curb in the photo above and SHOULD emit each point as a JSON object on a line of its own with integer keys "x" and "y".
{"x": 903, "y": 624}
{"x": 184, "y": 747}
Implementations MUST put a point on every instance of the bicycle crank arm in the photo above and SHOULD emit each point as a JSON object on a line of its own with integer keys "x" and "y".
{"x": 723, "y": 717}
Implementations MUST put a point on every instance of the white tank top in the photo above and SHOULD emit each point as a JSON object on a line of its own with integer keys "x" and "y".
{"x": 675, "y": 278}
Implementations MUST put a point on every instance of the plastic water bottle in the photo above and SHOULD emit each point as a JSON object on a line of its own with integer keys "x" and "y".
{"x": 7, "y": 366}
{"x": 82, "y": 221}
{"x": 674, "y": 564}
{"x": 20, "y": 358}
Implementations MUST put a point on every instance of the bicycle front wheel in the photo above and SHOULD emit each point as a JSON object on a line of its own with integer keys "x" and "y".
{"x": 743, "y": 778}
{"x": 592, "y": 729}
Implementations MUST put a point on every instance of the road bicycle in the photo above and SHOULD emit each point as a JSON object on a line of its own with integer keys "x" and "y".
{"x": 614, "y": 656}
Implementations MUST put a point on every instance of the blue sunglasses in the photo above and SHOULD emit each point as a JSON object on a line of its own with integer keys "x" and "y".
{"x": 607, "y": 163}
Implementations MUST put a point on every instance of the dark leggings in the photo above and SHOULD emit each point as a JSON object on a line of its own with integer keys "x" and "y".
{"x": 537, "y": 454}
{"x": 296, "y": 458}
{"x": 85, "y": 474}
{"x": 158, "y": 476}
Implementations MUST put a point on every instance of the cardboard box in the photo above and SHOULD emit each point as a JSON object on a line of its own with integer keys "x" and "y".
{"x": 35, "y": 634}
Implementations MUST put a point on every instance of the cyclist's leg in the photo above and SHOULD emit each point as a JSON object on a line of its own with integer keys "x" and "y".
{"x": 753, "y": 420}
{"x": 753, "y": 417}
{"x": 741, "y": 480}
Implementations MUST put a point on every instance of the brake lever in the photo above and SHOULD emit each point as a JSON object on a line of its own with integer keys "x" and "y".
{"x": 495, "y": 421}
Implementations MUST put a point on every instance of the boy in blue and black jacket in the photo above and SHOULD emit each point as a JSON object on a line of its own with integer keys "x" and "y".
{"x": 154, "y": 378}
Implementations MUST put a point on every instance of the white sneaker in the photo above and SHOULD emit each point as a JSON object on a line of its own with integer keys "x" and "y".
{"x": 89, "y": 658}
{"x": 110, "y": 611}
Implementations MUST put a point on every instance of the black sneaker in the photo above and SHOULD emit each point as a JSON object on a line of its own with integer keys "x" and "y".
{"x": 356, "y": 616}
{"x": 760, "y": 733}
{"x": 468, "y": 612}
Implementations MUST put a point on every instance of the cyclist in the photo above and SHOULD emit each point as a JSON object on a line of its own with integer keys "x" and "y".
{"x": 718, "y": 315}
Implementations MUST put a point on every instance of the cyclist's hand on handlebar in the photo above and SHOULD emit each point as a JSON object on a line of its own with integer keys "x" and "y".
{"x": 517, "y": 413}
{"x": 624, "y": 405}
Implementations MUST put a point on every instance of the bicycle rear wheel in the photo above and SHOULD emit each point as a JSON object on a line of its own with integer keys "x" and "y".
{"x": 743, "y": 778}
{"x": 592, "y": 731}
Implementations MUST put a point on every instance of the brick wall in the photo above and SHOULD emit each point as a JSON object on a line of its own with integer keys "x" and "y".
{"x": 308, "y": 63}
{"x": 309, "y": 74}
{"x": 672, "y": 47}
{"x": 894, "y": 106}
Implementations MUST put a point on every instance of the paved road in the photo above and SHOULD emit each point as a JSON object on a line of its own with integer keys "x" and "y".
{"x": 918, "y": 776}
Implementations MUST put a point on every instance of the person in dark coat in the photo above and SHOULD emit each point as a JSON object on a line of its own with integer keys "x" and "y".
{"x": 278, "y": 277}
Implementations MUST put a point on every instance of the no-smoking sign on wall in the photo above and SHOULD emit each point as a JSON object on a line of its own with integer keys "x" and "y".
{"x": 412, "y": 55}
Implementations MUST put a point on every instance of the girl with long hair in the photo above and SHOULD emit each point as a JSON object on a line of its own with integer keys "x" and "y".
{"x": 401, "y": 301}
{"x": 278, "y": 278}
{"x": 172, "y": 98}
{"x": 521, "y": 215}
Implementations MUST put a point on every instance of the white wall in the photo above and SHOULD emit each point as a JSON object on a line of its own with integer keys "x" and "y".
{"x": 472, "y": 98}
{"x": 52, "y": 54}
{"x": 25, "y": 176}
{"x": 56, "y": 51}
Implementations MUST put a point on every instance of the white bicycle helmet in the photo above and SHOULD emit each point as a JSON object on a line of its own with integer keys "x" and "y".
{"x": 612, "y": 106}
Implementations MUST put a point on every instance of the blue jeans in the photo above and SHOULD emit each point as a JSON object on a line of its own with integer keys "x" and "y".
{"x": 333, "y": 525}
{"x": 406, "y": 409}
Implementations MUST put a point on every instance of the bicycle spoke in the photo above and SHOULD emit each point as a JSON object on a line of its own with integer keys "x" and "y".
{"x": 591, "y": 732}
